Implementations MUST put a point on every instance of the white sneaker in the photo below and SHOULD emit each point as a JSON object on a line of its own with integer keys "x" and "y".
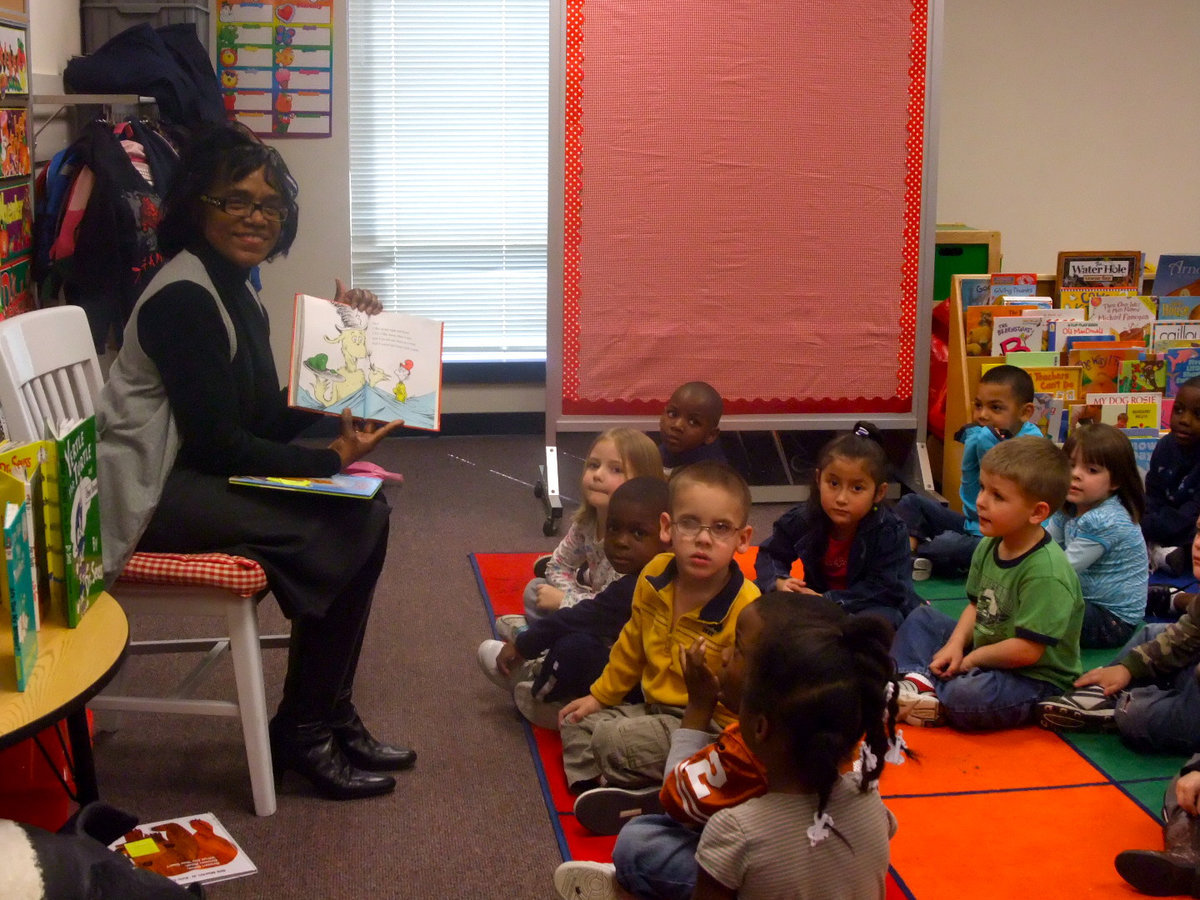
{"x": 918, "y": 707}
{"x": 537, "y": 712}
{"x": 922, "y": 569}
{"x": 581, "y": 880}
{"x": 508, "y": 626}
{"x": 489, "y": 652}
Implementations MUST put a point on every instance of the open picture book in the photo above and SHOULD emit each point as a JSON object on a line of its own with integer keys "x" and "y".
{"x": 383, "y": 367}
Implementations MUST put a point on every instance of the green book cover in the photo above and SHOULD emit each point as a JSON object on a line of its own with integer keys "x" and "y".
{"x": 1033, "y": 358}
{"x": 18, "y": 588}
{"x": 79, "y": 508}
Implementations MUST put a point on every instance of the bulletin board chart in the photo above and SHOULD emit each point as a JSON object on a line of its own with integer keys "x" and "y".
{"x": 746, "y": 192}
{"x": 275, "y": 64}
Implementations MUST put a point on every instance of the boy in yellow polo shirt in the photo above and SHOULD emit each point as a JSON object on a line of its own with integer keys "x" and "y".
{"x": 695, "y": 591}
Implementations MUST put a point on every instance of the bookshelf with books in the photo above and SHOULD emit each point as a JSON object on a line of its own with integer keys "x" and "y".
{"x": 1128, "y": 318}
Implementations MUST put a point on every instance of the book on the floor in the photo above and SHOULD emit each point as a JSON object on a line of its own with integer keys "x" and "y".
{"x": 383, "y": 367}
{"x": 79, "y": 510}
{"x": 362, "y": 486}
{"x": 189, "y": 849}
{"x": 18, "y": 590}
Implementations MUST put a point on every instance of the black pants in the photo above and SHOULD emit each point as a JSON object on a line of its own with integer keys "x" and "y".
{"x": 323, "y": 652}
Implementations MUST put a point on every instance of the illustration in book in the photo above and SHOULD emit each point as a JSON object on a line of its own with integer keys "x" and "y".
{"x": 186, "y": 850}
{"x": 19, "y": 590}
{"x": 1142, "y": 375}
{"x": 1177, "y": 275}
{"x": 1182, "y": 363}
{"x": 383, "y": 367}
{"x": 14, "y": 63}
{"x": 79, "y": 509}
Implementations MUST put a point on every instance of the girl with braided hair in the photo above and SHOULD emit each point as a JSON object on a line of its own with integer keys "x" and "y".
{"x": 812, "y": 695}
{"x": 842, "y": 659}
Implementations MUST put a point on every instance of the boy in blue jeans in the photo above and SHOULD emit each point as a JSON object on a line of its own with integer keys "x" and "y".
{"x": 1017, "y": 642}
{"x": 942, "y": 539}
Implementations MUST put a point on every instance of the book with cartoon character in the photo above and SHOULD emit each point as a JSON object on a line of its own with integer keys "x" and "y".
{"x": 383, "y": 367}
{"x": 190, "y": 849}
{"x": 79, "y": 514}
{"x": 17, "y": 587}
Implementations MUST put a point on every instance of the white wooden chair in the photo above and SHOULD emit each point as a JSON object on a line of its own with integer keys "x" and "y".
{"x": 49, "y": 371}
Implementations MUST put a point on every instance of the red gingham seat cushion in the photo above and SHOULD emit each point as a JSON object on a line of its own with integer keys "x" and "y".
{"x": 244, "y": 577}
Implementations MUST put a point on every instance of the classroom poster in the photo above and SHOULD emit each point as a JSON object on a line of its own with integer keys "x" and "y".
{"x": 16, "y": 222}
{"x": 275, "y": 63}
{"x": 15, "y": 158}
{"x": 16, "y": 287}
{"x": 14, "y": 63}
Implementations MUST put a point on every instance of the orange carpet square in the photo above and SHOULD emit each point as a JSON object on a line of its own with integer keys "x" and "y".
{"x": 1048, "y": 844}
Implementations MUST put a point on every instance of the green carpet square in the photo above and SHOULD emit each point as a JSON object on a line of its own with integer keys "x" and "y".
{"x": 941, "y": 588}
{"x": 1119, "y": 763}
{"x": 1150, "y": 795}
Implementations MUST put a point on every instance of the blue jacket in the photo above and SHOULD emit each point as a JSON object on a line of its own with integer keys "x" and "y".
{"x": 879, "y": 571}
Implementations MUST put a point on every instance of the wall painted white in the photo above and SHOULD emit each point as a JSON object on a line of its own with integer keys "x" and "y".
{"x": 1064, "y": 125}
{"x": 1071, "y": 125}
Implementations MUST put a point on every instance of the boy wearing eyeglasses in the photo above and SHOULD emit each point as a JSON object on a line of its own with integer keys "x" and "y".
{"x": 696, "y": 591}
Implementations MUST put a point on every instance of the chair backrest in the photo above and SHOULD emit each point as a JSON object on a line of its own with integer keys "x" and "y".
{"x": 48, "y": 370}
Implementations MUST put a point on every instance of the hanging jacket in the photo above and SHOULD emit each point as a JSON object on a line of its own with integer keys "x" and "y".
{"x": 169, "y": 64}
{"x": 116, "y": 243}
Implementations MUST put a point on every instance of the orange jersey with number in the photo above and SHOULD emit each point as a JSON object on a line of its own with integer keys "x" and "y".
{"x": 723, "y": 774}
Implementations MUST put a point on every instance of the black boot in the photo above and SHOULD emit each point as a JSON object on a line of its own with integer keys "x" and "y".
{"x": 364, "y": 751}
{"x": 311, "y": 751}
{"x": 1159, "y": 874}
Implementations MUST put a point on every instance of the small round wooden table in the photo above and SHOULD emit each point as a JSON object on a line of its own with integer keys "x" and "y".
{"x": 73, "y": 665}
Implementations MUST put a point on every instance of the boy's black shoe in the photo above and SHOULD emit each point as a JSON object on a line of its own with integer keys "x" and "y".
{"x": 1159, "y": 601}
{"x": 1159, "y": 874}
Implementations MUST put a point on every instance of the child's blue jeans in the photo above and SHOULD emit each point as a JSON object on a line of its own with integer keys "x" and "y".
{"x": 978, "y": 700}
{"x": 941, "y": 533}
{"x": 1162, "y": 717}
{"x": 655, "y": 856}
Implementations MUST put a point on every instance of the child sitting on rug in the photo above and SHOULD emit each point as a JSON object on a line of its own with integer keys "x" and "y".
{"x": 690, "y": 426}
{"x": 817, "y": 680}
{"x": 696, "y": 591}
{"x": 577, "y": 639}
{"x": 1173, "y": 492}
{"x": 1017, "y": 641}
{"x": 855, "y": 551}
{"x": 578, "y": 567}
{"x": 943, "y": 540}
{"x": 1161, "y": 714}
{"x": 1098, "y": 528}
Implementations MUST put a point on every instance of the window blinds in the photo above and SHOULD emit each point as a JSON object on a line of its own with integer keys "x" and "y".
{"x": 448, "y": 167}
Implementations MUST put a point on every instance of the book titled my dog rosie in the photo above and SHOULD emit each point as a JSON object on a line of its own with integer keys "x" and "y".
{"x": 189, "y": 849}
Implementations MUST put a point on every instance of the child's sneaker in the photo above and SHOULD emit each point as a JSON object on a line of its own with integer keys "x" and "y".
{"x": 605, "y": 810}
{"x": 537, "y": 712}
{"x": 1083, "y": 709}
{"x": 487, "y": 655}
{"x": 918, "y": 706}
{"x": 508, "y": 627}
{"x": 922, "y": 569}
{"x": 581, "y": 880}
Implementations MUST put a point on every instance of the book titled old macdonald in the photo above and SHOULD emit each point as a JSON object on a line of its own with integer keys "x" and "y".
{"x": 383, "y": 367}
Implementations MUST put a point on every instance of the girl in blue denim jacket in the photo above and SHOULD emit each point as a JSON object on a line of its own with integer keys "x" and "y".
{"x": 854, "y": 551}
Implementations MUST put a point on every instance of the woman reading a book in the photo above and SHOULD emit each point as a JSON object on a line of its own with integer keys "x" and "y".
{"x": 192, "y": 399}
